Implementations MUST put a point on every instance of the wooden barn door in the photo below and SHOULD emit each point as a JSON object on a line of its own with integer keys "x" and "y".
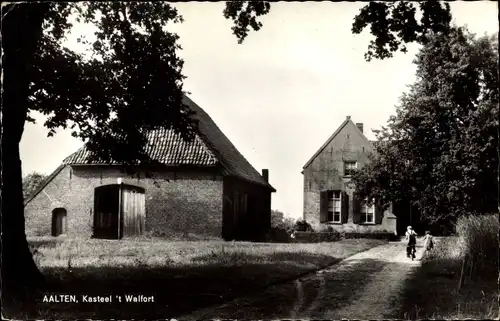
{"x": 133, "y": 210}
{"x": 106, "y": 212}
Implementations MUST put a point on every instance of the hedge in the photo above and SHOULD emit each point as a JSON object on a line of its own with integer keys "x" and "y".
{"x": 316, "y": 237}
{"x": 377, "y": 236}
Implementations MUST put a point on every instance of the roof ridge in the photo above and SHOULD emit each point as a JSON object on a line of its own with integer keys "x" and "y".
{"x": 335, "y": 133}
{"x": 209, "y": 147}
{"x": 157, "y": 147}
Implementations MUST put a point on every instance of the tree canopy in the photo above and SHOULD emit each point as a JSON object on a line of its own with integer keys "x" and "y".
{"x": 393, "y": 24}
{"x": 131, "y": 83}
{"x": 440, "y": 149}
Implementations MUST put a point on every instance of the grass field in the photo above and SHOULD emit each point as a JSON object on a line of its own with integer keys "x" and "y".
{"x": 181, "y": 276}
{"x": 432, "y": 292}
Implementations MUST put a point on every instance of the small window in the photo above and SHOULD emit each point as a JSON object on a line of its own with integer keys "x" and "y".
{"x": 59, "y": 221}
{"x": 334, "y": 207}
{"x": 367, "y": 214}
{"x": 350, "y": 168}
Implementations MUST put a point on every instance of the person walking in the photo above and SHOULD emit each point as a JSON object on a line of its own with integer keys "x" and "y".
{"x": 428, "y": 241}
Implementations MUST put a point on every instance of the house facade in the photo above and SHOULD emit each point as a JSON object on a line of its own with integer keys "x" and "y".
{"x": 204, "y": 187}
{"x": 330, "y": 198}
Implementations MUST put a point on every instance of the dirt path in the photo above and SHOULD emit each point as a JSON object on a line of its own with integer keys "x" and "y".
{"x": 364, "y": 286}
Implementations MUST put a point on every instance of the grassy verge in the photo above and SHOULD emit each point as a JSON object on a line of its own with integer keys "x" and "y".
{"x": 181, "y": 276}
{"x": 433, "y": 291}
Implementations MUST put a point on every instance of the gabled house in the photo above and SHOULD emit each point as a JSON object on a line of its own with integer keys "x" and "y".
{"x": 329, "y": 199}
{"x": 204, "y": 187}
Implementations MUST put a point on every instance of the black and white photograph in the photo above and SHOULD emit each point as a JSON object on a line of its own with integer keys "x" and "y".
{"x": 250, "y": 160}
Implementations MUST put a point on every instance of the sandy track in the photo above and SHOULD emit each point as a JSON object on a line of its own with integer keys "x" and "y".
{"x": 364, "y": 286}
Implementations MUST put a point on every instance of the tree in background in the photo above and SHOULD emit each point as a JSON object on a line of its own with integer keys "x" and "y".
{"x": 31, "y": 182}
{"x": 131, "y": 83}
{"x": 279, "y": 220}
{"x": 440, "y": 149}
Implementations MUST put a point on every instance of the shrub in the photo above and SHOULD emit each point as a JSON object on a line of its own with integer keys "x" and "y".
{"x": 375, "y": 236}
{"x": 302, "y": 226}
{"x": 317, "y": 237}
{"x": 478, "y": 243}
{"x": 279, "y": 235}
{"x": 445, "y": 227}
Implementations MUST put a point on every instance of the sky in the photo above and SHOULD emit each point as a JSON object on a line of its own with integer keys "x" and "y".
{"x": 284, "y": 91}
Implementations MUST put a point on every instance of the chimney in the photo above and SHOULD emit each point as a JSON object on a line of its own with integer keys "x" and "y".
{"x": 348, "y": 117}
{"x": 360, "y": 126}
{"x": 265, "y": 174}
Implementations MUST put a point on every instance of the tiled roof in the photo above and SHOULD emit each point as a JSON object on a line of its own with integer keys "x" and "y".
{"x": 164, "y": 146}
{"x": 230, "y": 158}
{"x": 210, "y": 147}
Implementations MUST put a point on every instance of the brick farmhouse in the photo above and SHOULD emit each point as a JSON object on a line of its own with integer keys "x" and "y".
{"x": 329, "y": 199}
{"x": 204, "y": 187}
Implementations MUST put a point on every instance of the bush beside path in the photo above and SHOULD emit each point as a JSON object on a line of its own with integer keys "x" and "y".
{"x": 459, "y": 278}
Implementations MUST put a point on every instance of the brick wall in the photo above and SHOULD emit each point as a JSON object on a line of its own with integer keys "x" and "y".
{"x": 175, "y": 201}
{"x": 326, "y": 172}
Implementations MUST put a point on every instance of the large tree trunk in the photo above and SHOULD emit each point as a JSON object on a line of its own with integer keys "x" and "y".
{"x": 21, "y": 30}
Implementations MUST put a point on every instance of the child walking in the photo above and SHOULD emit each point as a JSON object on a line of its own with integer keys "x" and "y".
{"x": 428, "y": 241}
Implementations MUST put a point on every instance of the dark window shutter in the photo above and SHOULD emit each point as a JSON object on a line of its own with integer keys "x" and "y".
{"x": 379, "y": 214}
{"x": 356, "y": 209}
{"x": 345, "y": 207}
{"x": 323, "y": 204}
